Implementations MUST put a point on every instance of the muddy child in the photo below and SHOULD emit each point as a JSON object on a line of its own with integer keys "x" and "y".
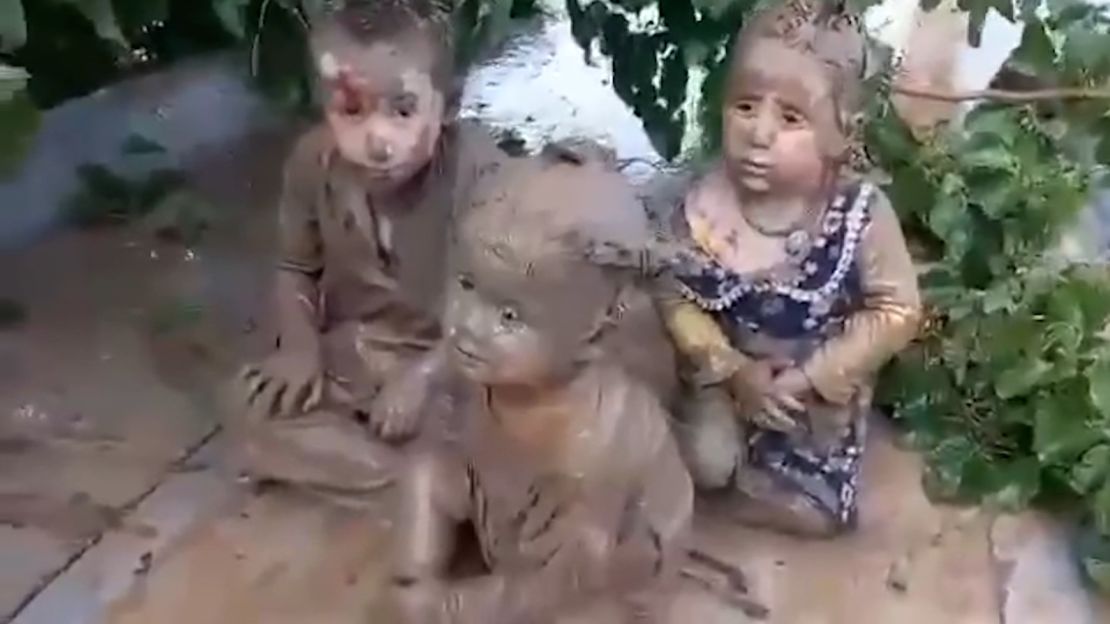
{"x": 562, "y": 462}
{"x": 367, "y": 200}
{"x": 797, "y": 284}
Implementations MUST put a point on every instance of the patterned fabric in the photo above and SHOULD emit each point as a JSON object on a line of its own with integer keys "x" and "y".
{"x": 810, "y": 306}
{"x": 830, "y": 480}
{"x": 818, "y": 297}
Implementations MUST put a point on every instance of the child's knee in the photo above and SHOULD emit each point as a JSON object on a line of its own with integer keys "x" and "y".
{"x": 710, "y": 439}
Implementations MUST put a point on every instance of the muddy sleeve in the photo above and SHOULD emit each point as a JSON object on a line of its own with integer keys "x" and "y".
{"x": 301, "y": 246}
{"x": 702, "y": 345}
{"x": 888, "y": 319}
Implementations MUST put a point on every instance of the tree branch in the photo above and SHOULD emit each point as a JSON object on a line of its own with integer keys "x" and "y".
{"x": 1003, "y": 95}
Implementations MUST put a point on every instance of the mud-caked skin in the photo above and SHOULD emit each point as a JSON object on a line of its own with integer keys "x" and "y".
{"x": 795, "y": 285}
{"x": 560, "y": 459}
{"x": 367, "y": 201}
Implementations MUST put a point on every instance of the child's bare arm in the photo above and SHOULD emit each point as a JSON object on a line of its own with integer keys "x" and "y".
{"x": 431, "y": 504}
{"x": 889, "y": 320}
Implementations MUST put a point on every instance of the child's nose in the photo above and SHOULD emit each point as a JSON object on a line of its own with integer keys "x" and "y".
{"x": 378, "y": 149}
{"x": 764, "y": 128}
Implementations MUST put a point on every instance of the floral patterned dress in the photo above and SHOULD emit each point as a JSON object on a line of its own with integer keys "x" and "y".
{"x": 843, "y": 301}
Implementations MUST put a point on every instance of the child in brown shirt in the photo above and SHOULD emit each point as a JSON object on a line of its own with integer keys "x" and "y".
{"x": 367, "y": 201}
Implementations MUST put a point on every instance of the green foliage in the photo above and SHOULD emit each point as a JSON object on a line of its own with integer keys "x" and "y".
{"x": 1008, "y": 388}
{"x": 70, "y": 48}
{"x": 655, "y": 60}
{"x": 13, "y": 25}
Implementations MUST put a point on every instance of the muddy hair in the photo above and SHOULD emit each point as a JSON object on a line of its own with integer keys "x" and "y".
{"x": 830, "y": 31}
{"x": 543, "y": 214}
{"x": 367, "y": 22}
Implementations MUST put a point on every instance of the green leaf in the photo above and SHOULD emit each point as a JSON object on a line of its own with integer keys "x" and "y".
{"x": 1086, "y": 49}
{"x": 1021, "y": 378}
{"x": 1100, "y": 509}
{"x": 13, "y": 25}
{"x": 990, "y": 157}
{"x": 1091, "y": 470}
{"x": 1061, "y": 431}
{"x": 999, "y": 297}
{"x": 1098, "y": 377}
{"x": 944, "y": 472}
{"x": 1017, "y": 483}
{"x": 1005, "y": 8}
{"x": 977, "y": 16}
{"x": 137, "y": 145}
{"x": 233, "y": 15}
{"x": 13, "y": 80}
{"x": 103, "y": 18}
{"x": 1036, "y": 54}
{"x": 19, "y": 121}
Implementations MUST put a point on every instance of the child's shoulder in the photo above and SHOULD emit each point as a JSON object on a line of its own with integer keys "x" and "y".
{"x": 632, "y": 413}
{"x": 307, "y": 162}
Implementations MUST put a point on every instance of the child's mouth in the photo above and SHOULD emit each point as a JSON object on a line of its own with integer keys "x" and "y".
{"x": 468, "y": 356}
{"x": 755, "y": 167}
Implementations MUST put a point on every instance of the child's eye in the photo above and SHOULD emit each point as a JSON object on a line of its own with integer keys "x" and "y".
{"x": 465, "y": 282}
{"x": 405, "y": 105}
{"x": 745, "y": 108}
{"x": 792, "y": 118}
{"x": 509, "y": 315}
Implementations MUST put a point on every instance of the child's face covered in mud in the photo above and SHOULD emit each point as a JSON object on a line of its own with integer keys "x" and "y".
{"x": 780, "y": 119}
{"x": 383, "y": 107}
{"x": 511, "y": 324}
{"x": 525, "y": 307}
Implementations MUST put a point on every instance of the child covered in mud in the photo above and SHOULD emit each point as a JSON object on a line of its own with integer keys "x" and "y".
{"x": 562, "y": 462}
{"x": 367, "y": 200}
{"x": 795, "y": 285}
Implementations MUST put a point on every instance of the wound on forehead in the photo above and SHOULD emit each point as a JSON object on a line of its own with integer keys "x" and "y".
{"x": 537, "y": 216}
{"x": 419, "y": 29}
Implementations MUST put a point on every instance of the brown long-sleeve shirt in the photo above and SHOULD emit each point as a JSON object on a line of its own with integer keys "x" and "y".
{"x": 378, "y": 270}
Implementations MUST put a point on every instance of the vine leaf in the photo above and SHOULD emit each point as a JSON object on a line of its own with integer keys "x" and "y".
{"x": 1036, "y": 53}
{"x": 103, "y": 18}
{"x": 1060, "y": 428}
{"x": 1098, "y": 377}
{"x": 19, "y": 121}
{"x": 137, "y": 145}
{"x": 13, "y": 25}
{"x": 1021, "y": 378}
{"x": 12, "y": 81}
{"x": 1016, "y": 483}
{"x": 233, "y": 15}
{"x": 1091, "y": 470}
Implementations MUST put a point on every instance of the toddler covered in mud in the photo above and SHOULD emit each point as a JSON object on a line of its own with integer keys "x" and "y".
{"x": 367, "y": 201}
{"x": 795, "y": 286}
{"x": 560, "y": 460}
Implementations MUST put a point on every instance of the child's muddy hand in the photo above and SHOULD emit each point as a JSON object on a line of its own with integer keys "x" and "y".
{"x": 286, "y": 384}
{"x": 781, "y": 403}
{"x": 395, "y": 412}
